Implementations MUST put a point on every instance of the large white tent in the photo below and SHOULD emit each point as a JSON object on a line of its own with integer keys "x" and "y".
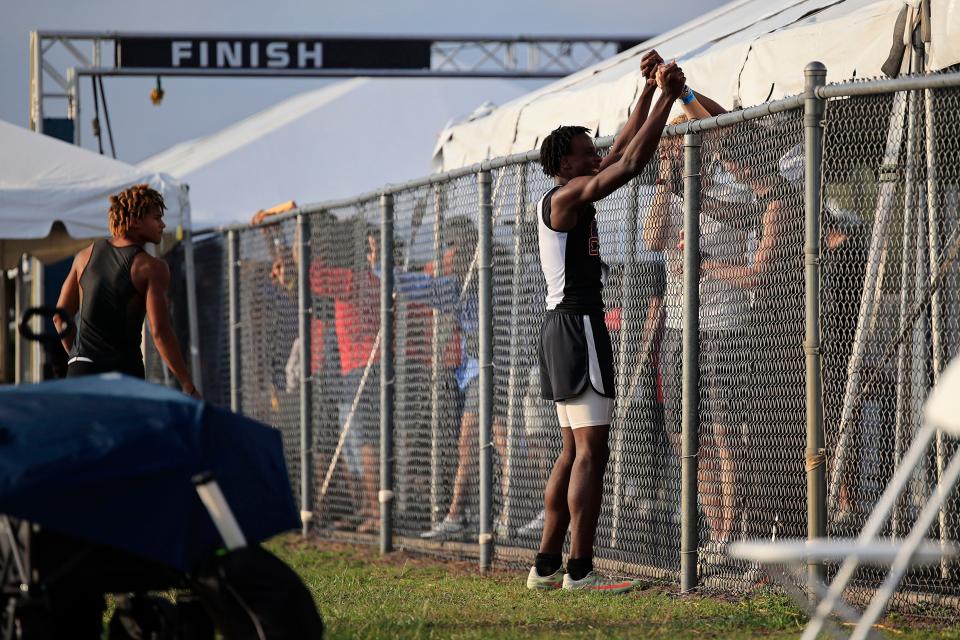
{"x": 341, "y": 140}
{"x": 54, "y": 199}
{"x": 54, "y": 196}
{"x": 742, "y": 54}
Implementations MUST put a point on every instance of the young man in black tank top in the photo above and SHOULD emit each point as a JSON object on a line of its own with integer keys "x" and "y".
{"x": 575, "y": 352}
{"x": 113, "y": 284}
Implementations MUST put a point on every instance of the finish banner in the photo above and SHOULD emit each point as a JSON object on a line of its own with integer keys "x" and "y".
{"x": 204, "y": 52}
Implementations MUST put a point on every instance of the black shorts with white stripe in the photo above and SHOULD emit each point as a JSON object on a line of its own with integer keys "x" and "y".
{"x": 575, "y": 351}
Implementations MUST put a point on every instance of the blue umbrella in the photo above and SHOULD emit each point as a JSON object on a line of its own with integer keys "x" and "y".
{"x": 111, "y": 459}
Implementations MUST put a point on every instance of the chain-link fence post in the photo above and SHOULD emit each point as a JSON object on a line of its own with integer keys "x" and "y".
{"x": 386, "y": 373}
{"x": 486, "y": 367}
{"x": 305, "y": 314}
{"x": 513, "y": 375}
{"x": 815, "y": 76}
{"x": 623, "y": 375}
{"x": 190, "y": 274}
{"x": 438, "y": 327}
{"x": 690, "y": 388}
{"x": 233, "y": 284}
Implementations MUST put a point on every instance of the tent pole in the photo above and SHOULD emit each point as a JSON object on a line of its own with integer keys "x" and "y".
{"x": 934, "y": 247}
{"x": 904, "y": 421}
{"x": 17, "y": 312}
{"x": 4, "y": 324}
{"x": 36, "y": 300}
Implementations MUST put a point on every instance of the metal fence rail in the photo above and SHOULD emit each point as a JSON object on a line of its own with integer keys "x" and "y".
{"x": 828, "y": 234}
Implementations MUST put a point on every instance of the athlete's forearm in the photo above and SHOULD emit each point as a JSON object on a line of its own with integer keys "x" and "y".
{"x": 169, "y": 349}
{"x": 644, "y": 143}
{"x": 709, "y": 104}
{"x": 656, "y": 226}
{"x": 67, "y": 339}
{"x": 637, "y": 117}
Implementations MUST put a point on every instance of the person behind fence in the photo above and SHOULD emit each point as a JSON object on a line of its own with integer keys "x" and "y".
{"x": 724, "y": 314}
{"x": 355, "y": 291}
{"x": 276, "y": 325}
{"x": 575, "y": 350}
{"x": 112, "y": 285}
{"x": 452, "y": 289}
{"x": 844, "y": 260}
{"x": 755, "y": 366}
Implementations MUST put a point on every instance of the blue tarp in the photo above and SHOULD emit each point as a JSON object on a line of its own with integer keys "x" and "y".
{"x": 110, "y": 459}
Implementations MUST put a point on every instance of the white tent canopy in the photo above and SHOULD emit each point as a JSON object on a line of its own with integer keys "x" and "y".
{"x": 54, "y": 196}
{"x": 744, "y": 53}
{"x": 341, "y": 140}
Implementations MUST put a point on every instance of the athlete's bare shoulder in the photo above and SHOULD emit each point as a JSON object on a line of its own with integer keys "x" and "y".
{"x": 146, "y": 271}
{"x": 81, "y": 260}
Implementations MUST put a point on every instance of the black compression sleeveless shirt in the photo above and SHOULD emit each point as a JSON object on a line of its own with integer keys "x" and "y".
{"x": 110, "y": 320}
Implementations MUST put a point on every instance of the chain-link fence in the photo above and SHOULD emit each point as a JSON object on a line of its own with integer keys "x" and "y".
{"x": 344, "y": 368}
{"x": 891, "y": 308}
{"x": 212, "y": 319}
{"x": 752, "y": 481}
{"x": 888, "y": 322}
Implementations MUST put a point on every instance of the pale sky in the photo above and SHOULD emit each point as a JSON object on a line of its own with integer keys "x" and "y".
{"x": 196, "y": 107}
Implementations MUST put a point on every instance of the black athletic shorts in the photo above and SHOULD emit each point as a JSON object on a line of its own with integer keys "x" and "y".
{"x": 79, "y": 368}
{"x": 575, "y": 351}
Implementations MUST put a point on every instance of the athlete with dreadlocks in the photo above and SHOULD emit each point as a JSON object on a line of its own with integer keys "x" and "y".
{"x": 576, "y": 358}
{"x": 113, "y": 283}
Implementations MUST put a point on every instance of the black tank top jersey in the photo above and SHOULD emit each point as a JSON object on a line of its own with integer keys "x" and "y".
{"x": 571, "y": 261}
{"x": 110, "y": 320}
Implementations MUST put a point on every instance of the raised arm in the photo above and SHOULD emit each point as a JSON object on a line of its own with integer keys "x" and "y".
{"x": 648, "y": 67}
{"x": 698, "y": 106}
{"x": 636, "y": 155}
{"x": 657, "y": 228}
{"x": 750, "y": 276}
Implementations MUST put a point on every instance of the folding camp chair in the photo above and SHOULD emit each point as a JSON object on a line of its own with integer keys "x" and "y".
{"x": 941, "y": 412}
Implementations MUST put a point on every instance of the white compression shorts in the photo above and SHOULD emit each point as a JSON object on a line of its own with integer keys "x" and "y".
{"x": 589, "y": 409}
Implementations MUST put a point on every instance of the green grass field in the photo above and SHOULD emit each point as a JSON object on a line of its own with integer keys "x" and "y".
{"x": 401, "y": 596}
